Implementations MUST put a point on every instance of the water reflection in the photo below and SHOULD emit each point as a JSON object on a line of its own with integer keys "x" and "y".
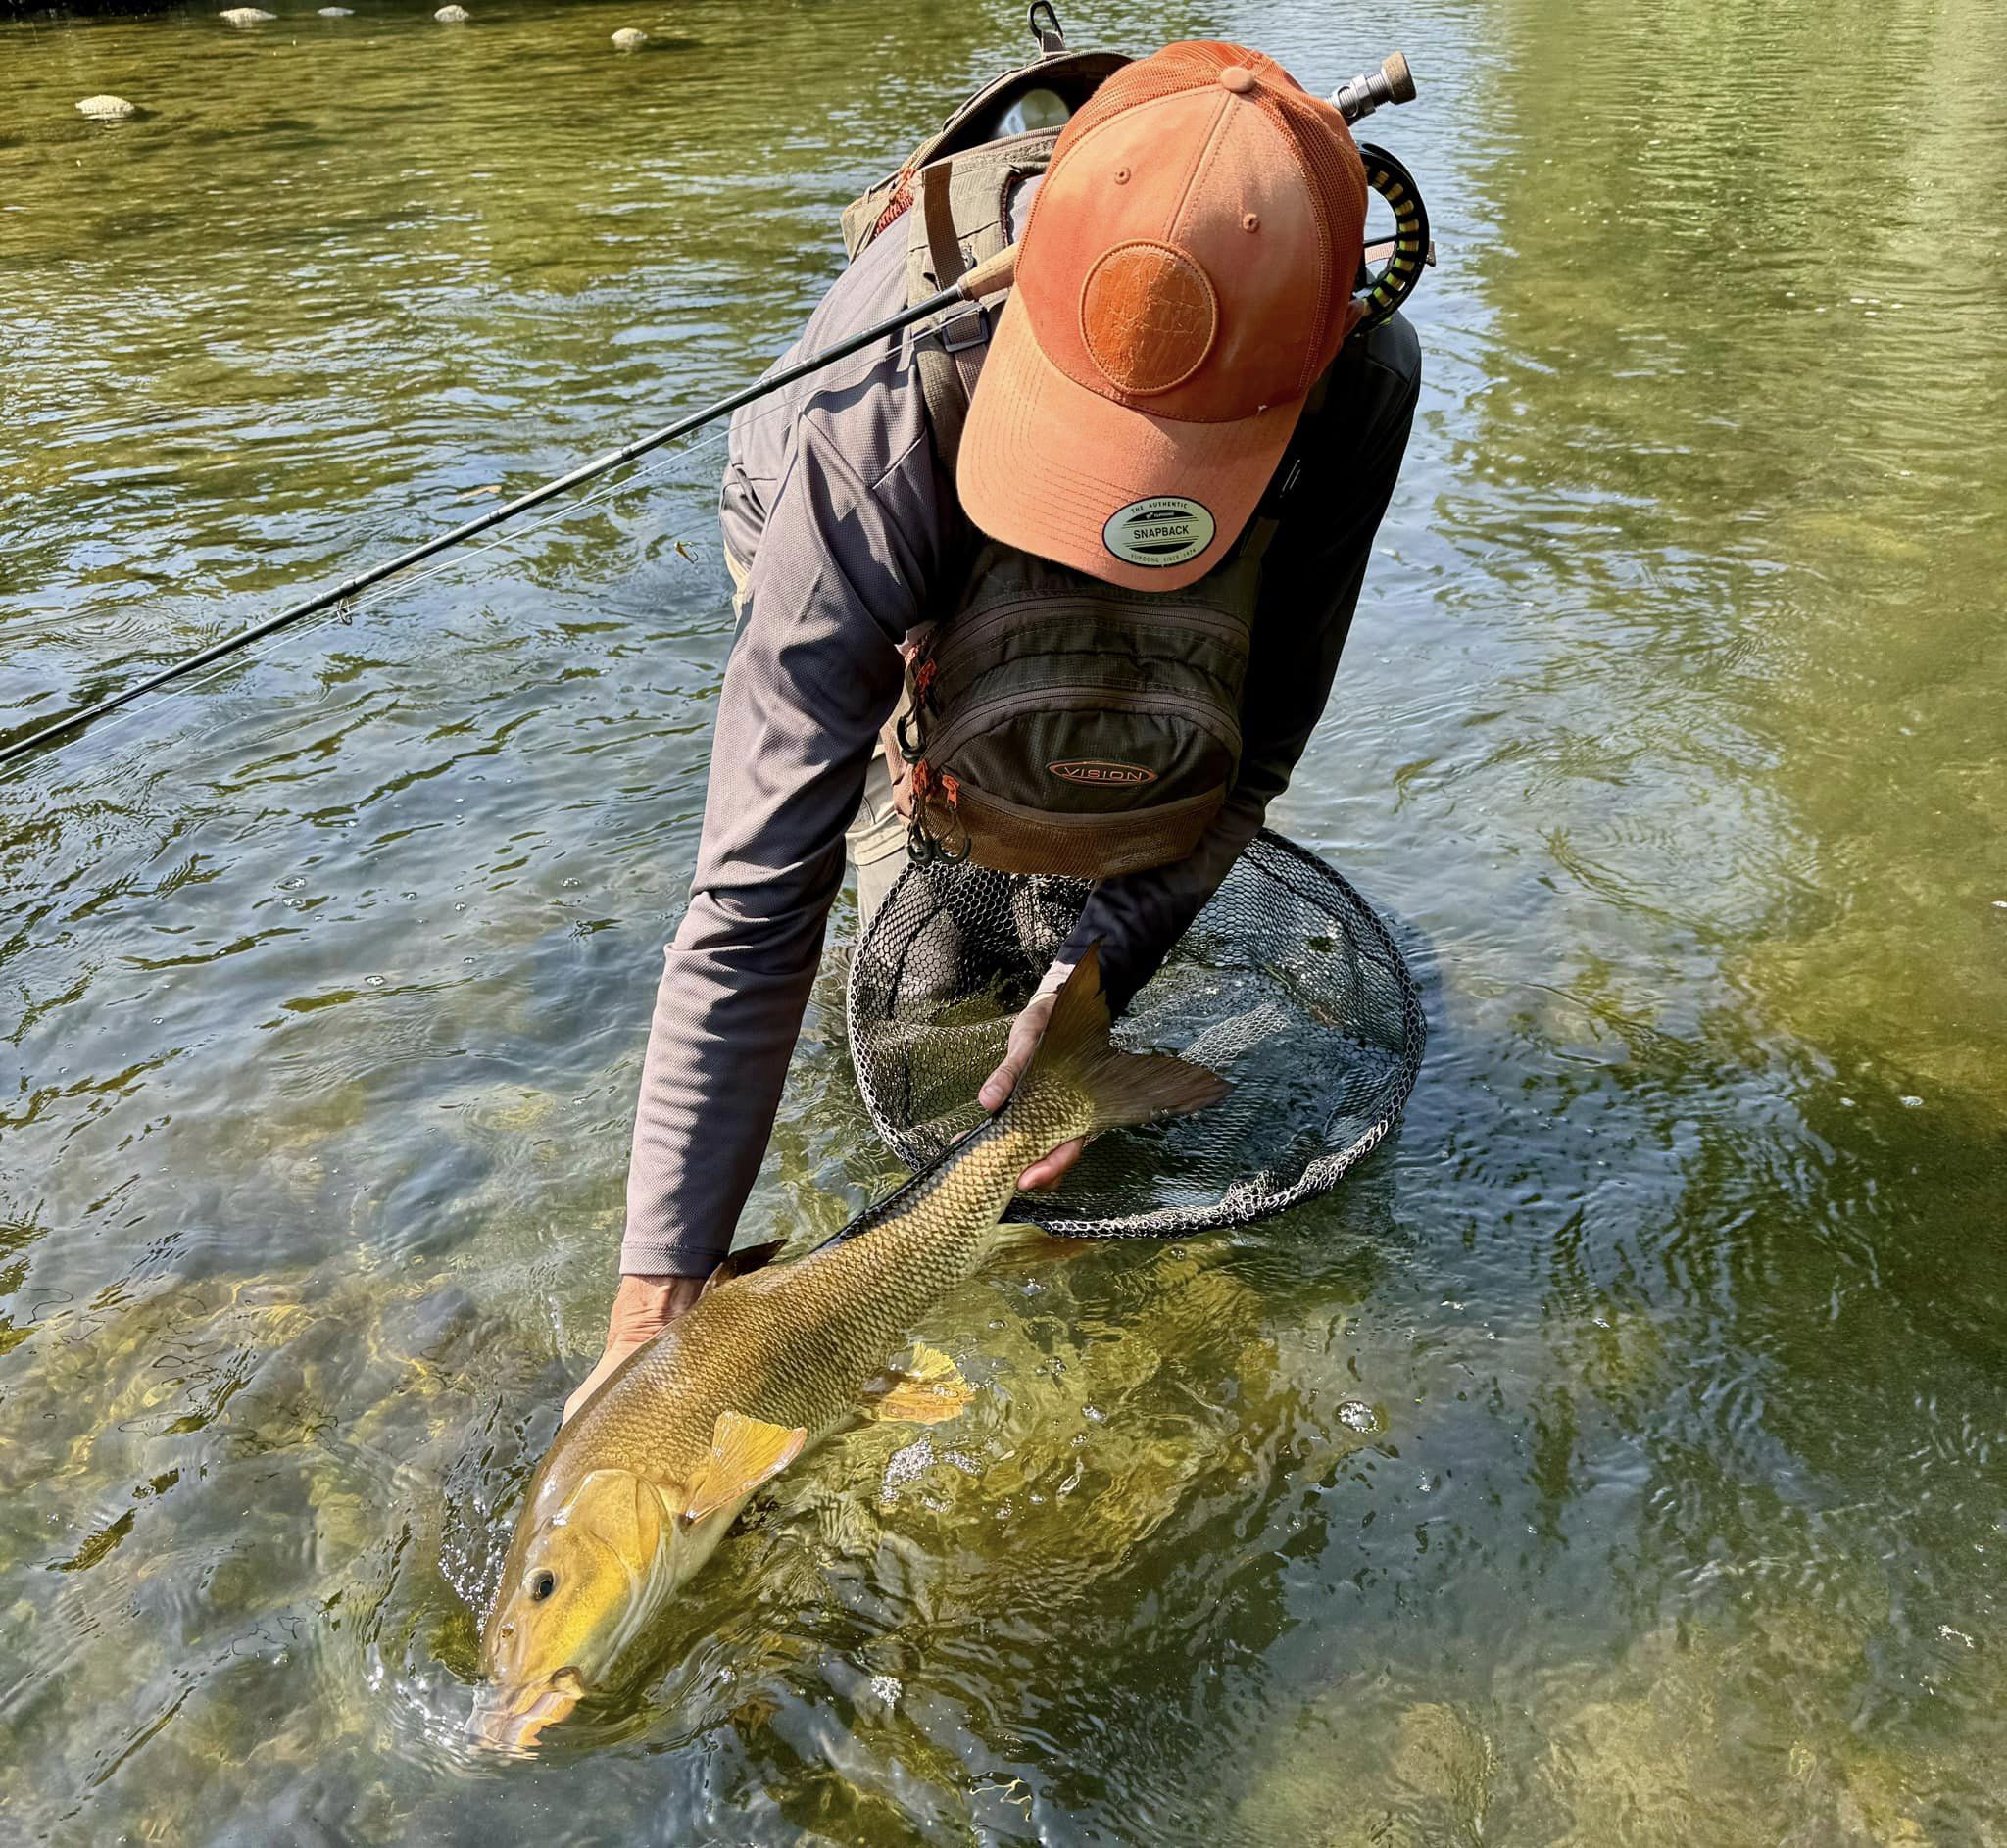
{"x": 1616, "y": 1457}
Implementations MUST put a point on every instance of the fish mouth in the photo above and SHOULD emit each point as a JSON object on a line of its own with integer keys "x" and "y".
{"x": 508, "y": 1719}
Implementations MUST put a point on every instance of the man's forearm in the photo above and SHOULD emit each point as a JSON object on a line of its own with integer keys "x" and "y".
{"x": 726, "y": 1017}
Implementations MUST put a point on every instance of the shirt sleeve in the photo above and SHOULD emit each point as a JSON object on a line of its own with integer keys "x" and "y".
{"x": 839, "y": 573}
{"x": 1309, "y": 589}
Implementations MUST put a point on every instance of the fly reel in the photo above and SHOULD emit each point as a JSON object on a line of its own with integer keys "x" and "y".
{"x": 1401, "y": 257}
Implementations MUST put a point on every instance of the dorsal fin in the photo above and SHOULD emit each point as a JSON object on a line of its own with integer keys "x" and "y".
{"x": 742, "y": 1263}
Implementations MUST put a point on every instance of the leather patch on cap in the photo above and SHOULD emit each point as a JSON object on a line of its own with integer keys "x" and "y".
{"x": 1149, "y": 316}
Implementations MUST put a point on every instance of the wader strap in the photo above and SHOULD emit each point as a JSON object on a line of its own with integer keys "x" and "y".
{"x": 942, "y": 356}
{"x": 1256, "y": 540}
{"x": 964, "y": 205}
{"x": 1274, "y": 503}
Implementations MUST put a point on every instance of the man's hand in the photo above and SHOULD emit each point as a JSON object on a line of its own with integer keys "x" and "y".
{"x": 643, "y": 1306}
{"x": 1026, "y": 1030}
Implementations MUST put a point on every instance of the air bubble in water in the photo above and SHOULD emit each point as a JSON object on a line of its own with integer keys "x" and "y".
{"x": 904, "y": 1465}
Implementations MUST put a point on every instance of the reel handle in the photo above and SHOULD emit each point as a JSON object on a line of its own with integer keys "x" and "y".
{"x": 1392, "y": 83}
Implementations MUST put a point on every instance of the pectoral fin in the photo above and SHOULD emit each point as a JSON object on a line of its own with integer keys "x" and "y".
{"x": 927, "y": 1388}
{"x": 744, "y": 1453}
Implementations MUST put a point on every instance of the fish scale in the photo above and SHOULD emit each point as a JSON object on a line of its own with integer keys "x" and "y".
{"x": 812, "y": 1334}
{"x": 639, "y": 1486}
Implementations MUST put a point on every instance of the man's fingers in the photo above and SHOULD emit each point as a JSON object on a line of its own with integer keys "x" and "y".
{"x": 998, "y": 1086}
{"x": 1047, "y": 1171}
{"x": 590, "y": 1385}
{"x": 1026, "y": 1030}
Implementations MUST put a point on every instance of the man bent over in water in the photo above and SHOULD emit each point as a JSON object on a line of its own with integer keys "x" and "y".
{"x": 1123, "y": 370}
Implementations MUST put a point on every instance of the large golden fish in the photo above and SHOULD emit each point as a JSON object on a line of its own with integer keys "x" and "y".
{"x": 640, "y": 1487}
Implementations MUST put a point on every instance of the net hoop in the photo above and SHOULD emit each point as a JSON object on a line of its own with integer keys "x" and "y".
{"x": 1287, "y": 983}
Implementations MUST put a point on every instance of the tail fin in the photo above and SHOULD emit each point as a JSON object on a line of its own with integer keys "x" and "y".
{"x": 1116, "y": 1087}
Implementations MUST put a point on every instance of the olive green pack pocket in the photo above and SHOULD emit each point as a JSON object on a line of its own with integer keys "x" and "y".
{"x": 1056, "y": 724}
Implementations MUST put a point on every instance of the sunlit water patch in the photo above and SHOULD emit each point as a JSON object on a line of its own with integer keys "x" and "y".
{"x": 1616, "y": 1456}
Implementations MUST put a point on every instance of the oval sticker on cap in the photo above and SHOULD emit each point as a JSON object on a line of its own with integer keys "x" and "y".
{"x": 1168, "y": 530}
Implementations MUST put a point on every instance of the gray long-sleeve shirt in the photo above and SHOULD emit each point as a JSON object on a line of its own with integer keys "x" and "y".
{"x": 849, "y": 533}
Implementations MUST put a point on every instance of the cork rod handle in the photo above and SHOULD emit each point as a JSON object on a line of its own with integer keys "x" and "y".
{"x": 990, "y": 277}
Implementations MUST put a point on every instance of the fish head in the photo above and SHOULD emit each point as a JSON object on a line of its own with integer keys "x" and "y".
{"x": 580, "y": 1583}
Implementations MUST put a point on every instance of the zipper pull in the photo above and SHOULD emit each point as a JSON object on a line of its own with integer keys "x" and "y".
{"x": 953, "y": 842}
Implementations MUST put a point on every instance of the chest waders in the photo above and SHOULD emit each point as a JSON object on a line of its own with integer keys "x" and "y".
{"x": 1286, "y": 984}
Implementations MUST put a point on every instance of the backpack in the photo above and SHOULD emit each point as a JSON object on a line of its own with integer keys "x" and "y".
{"x": 1051, "y": 723}
{"x": 953, "y": 194}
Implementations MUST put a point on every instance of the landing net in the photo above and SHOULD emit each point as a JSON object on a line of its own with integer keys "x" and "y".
{"x": 1286, "y": 984}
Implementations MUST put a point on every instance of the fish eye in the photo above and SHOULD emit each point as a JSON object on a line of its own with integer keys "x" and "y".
{"x": 542, "y": 1584}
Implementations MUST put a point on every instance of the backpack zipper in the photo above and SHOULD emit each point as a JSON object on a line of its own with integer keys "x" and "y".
{"x": 1209, "y": 717}
{"x": 956, "y": 632}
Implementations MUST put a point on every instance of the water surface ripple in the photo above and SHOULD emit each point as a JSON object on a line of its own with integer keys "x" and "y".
{"x": 1620, "y": 1456}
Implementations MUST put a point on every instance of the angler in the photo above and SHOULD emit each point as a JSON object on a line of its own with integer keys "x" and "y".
{"x": 1061, "y": 588}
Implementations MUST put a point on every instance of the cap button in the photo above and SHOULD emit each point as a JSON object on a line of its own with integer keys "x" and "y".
{"x": 1238, "y": 79}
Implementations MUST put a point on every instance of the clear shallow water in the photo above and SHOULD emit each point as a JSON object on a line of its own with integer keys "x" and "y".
{"x": 1617, "y": 1457}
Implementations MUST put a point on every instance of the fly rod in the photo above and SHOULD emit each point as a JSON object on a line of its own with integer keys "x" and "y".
{"x": 1405, "y": 254}
{"x": 985, "y": 279}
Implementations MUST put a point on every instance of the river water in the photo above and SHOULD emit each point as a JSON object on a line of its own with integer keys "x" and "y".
{"x": 1619, "y": 1456}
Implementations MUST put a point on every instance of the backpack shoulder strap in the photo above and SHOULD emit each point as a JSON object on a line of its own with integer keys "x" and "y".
{"x": 961, "y": 182}
{"x": 962, "y": 220}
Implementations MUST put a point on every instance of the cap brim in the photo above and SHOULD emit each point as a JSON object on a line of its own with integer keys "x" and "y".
{"x": 1045, "y": 465}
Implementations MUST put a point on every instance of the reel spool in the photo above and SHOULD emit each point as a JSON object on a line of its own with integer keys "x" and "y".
{"x": 1380, "y": 293}
{"x": 1384, "y": 292}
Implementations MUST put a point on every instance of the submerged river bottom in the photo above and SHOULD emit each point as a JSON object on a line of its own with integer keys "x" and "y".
{"x": 1619, "y": 1455}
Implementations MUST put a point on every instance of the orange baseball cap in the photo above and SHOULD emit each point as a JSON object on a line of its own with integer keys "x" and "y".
{"x": 1184, "y": 277}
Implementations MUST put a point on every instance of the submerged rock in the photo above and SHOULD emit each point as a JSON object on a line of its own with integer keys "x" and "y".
{"x": 338, "y": 12}
{"x": 246, "y": 16}
{"x": 452, "y": 16}
{"x": 628, "y": 38}
{"x": 106, "y": 107}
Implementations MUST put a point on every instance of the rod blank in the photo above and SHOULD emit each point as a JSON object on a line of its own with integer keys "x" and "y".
{"x": 986, "y": 279}
{"x": 494, "y": 516}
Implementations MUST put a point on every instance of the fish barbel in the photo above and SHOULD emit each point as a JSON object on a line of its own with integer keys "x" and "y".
{"x": 638, "y": 1488}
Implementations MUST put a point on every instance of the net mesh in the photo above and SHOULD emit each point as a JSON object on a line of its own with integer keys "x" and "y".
{"x": 1286, "y": 984}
